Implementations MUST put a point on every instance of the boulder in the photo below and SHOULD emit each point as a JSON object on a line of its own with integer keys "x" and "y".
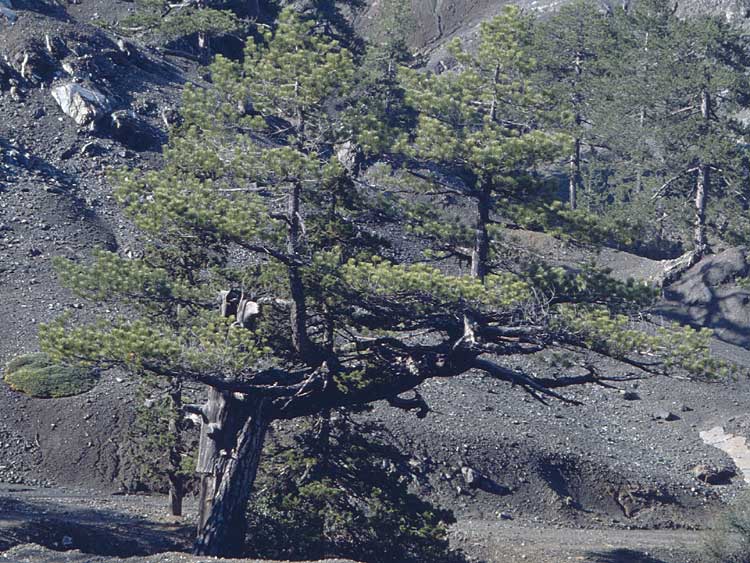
{"x": 475, "y": 480}
{"x": 85, "y": 105}
{"x": 662, "y": 414}
{"x": 708, "y": 295}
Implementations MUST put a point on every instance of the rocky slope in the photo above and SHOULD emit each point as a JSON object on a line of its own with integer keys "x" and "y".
{"x": 627, "y": 458}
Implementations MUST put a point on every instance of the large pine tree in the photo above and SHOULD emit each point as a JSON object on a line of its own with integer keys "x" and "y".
{"x": 253, "y": 205}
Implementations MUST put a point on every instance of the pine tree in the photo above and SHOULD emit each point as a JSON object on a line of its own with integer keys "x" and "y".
{"x": 680, "y": 84}
{"x": 162, "y": 21}
{"x": 575, "y": 49}
{"x": 252, "y": 205}
{"x": 703, "y": 141}
{"x": 480, "y": 124}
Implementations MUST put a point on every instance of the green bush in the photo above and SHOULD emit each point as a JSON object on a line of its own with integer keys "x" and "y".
{"x": 37, "y": 376}
{"x": 729, "y": 540}
{"x": 339, "y": 490}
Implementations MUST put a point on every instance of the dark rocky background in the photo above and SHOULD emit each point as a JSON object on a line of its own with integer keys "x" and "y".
{"x": 522, "y": 477}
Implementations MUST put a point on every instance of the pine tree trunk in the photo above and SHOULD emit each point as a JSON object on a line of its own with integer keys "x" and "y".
{"x": 298, "y": 310}
{"x": 176, "y": 485}
{"x": 176, "y": 494}
{"x": 482, "y": 240}
{"x": 702, "y": 187}
{"x": 641, "y": 156}
{"x": 574, "y": 182}
{"x": 481, "y": 250}
{"x": 236, "y": 447}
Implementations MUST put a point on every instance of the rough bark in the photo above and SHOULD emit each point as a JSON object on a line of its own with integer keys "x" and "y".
{"x": 224, "y": 525}
{"x": 481, "y": 250}
{"x": 216, "y": 429}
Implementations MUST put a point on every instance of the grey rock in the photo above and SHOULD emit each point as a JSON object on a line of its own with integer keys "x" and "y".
{"x": 85, "y": 105}
{"x": 662, "y": 414}
{"x": 6, "y": 11}
{"x": 475, "y": 480}
{"x": 470, "y": 476}
{"x": 708, "y": 295}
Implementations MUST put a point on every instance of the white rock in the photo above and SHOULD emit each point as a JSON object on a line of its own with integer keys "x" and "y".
{"x": 84, "y": 105}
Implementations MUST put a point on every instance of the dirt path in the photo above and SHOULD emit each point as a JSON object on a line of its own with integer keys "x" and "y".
{"x": 136, "y": 525}
{"x": 506, "y": 542}
{"x": 93, "y": 522}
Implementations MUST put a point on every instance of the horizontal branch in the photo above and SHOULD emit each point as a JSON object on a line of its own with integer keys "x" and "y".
{"x": 535, "y": 388}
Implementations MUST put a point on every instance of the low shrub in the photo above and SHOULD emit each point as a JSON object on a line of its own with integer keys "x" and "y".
{"x": 338, "y": 489}
{"x": 729, "y": 540}
{"x": 37, "y": 376}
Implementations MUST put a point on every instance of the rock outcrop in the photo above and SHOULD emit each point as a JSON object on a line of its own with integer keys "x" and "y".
{"x": 713, "y": 294}
{"x": 84, "y": 105}
{"x": 7, "y": 12}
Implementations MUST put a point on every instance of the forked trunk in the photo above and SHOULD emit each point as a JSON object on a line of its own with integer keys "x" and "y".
{"x": 231, "y": 442}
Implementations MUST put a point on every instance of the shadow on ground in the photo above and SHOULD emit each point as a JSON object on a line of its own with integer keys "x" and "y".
{"x": 90, "y": 530}
{"x": 622, "y": 556}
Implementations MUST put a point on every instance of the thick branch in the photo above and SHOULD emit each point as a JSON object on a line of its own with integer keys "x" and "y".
{"x": 532, "y": 386}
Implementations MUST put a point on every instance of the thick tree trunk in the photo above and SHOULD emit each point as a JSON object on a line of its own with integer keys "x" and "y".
{"x": 481, "y": 250}
{"x": 236, "y": 442}
{"x": 213, "y": 438}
